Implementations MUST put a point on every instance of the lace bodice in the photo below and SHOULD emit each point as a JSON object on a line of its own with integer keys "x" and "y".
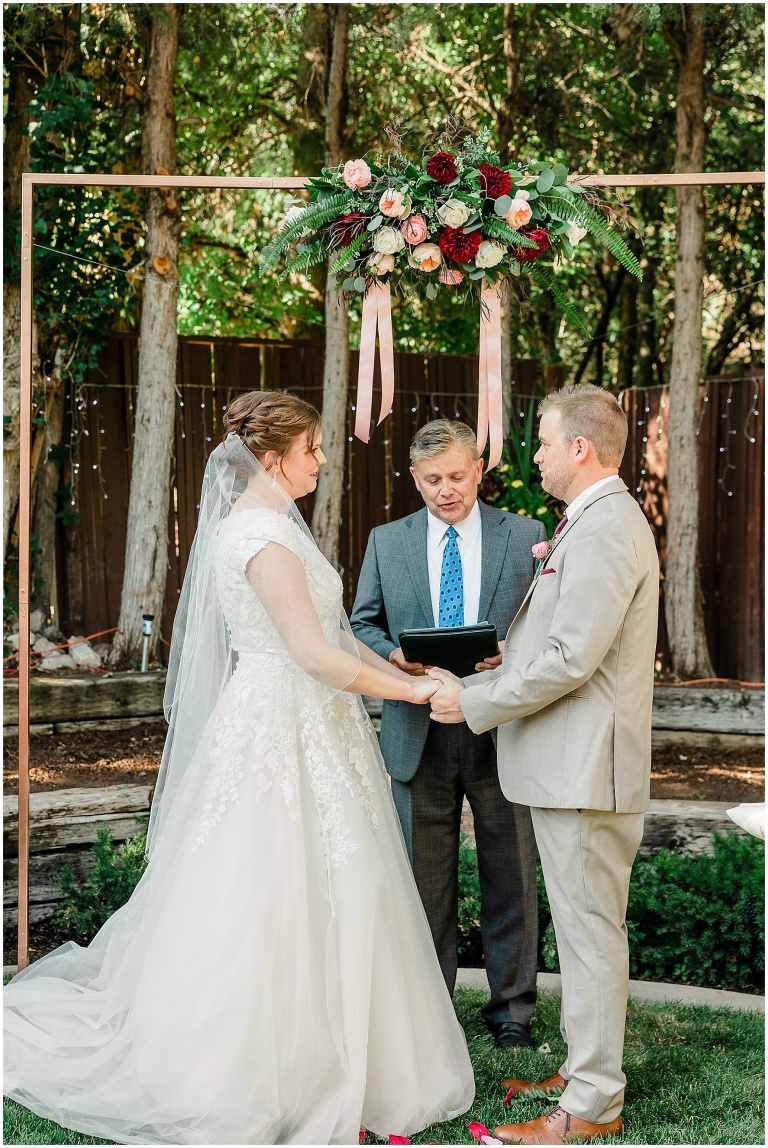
{"x": 243, "y": 535}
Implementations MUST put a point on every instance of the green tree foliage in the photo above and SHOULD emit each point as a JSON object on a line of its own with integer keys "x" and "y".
{"x": 116, "y": 873}
{"x": 580, "y": 99}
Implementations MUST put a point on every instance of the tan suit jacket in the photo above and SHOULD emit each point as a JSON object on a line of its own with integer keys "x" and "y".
{"x": 573, "y": 696}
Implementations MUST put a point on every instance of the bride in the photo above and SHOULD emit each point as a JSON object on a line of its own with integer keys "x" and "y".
{"x": 272, "y": 980}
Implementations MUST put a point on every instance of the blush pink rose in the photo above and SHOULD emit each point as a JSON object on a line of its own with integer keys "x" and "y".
{"x": 518, "y": 214}
{"x": 540, "y": 551}
{"x": 427, "y": 256}
{"x": 394, "y": 203}
{"x": 414, "y": 229}
{"x": 450, "y": 277}
{"x": 356, "y": 174}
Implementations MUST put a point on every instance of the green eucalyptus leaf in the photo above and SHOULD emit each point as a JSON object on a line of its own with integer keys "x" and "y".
{"x": 536, "y": 212}
{"x": 375, "y": 222}
{"x": 359, "y": 284}
{"x": 515, "y": 175}
{"x": 514, "y": 267}
{"x": 560, "y": 173}
{"x": 301, "y": 248}
{"x": 432, "y": 291}
{"x": 348, "y": 285}
{"x": 502, "y": 205}
{"x": 478, "y": 273}
{"x": 545, "y": 180}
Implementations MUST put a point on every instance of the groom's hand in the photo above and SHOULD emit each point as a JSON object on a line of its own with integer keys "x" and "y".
{"x": 445, "y": 703}
{"x": 415, "y": 669}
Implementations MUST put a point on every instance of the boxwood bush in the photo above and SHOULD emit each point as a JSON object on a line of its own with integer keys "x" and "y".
{"x": 692, "y": 918}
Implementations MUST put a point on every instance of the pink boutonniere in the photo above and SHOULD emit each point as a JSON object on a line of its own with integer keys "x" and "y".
{"x": 541, "y": 550}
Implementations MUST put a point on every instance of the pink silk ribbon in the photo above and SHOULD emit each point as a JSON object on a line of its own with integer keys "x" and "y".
{"x": 490, "y": 408}
{"x": 377, "y": 314}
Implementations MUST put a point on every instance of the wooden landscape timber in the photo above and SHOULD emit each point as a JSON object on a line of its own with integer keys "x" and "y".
{"x": 64, "y": 824}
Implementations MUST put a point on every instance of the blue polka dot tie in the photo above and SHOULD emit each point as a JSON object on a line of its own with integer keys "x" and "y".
{"x": 451, "y": 610}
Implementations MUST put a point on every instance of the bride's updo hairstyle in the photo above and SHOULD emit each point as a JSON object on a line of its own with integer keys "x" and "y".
{"x": 270, "y": 420}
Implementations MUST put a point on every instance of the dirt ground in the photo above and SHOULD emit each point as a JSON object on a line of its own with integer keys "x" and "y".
{"x": 93, "y": 758}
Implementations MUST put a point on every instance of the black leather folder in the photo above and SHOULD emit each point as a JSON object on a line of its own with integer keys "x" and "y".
{"x": 454, "y": 648}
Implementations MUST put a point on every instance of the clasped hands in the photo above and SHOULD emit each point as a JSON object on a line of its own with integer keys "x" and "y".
{"x": 440, "y": 687}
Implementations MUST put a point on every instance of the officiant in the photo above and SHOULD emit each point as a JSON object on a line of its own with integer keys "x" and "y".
{"x": 456, "y": 562}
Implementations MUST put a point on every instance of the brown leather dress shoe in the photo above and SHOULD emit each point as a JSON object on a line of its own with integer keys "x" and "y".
{"x": 552, "y": 1086}
{"x": 556, "y": 1127}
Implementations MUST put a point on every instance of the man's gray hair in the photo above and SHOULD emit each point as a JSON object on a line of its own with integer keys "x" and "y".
{"x": 594, "y": 414}
{"x": 438, "y": 436}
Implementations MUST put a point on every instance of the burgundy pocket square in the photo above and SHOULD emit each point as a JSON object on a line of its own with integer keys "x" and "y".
{"x": 550, "y": 571}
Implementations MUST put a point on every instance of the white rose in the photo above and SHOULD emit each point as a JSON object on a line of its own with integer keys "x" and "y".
{"x": 489, "y": 254}
{"x": 575, "y": 233}
{"x": 380, "y": 264}
{"x": 454, "y": 213}
{"x": 388, "y": 241}
{"x": 522, "y": 195}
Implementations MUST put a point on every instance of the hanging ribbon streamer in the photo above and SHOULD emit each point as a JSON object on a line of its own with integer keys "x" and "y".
{"x": 377, "y": 313}
{"x": 490, "y": 408}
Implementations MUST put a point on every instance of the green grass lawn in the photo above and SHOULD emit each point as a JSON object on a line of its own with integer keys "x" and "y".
{"x": 695, "y": 1076}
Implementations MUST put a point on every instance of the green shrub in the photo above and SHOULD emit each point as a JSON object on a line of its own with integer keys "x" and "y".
{"x": 700, "y": 918}
{"x": 115, "y": 876}
{"x": 692, "y": 918}
{"x": 470, "y": 946}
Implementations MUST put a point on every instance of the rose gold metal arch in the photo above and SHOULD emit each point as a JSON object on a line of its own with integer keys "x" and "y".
{"x": 28, "y": 182}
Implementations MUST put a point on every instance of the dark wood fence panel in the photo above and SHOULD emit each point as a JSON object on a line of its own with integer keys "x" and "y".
{"x": 378, "y": 485}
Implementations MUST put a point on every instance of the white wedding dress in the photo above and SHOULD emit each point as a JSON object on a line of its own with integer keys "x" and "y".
{"x": 272, "y": 979}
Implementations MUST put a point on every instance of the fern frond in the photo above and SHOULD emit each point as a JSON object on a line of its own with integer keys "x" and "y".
{"x": 349, "y": 253}
{"x": 312, "y": 218}
{"x": 543, "y": 276}
{"x": 499, "y": 230}
{"x": 307, "y": 259}
{"x": 576, "y": 211}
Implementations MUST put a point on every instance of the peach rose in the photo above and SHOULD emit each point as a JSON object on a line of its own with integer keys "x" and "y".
{"x": 356, "y": 174}
{"x": 427, "y": 256}
{"x": 518, "y": 214}
{"x": 414, "y": 229}
{"x": 450, "y": 277}
{"x": 394, "y": 203}
{"x": 381, "y": 264}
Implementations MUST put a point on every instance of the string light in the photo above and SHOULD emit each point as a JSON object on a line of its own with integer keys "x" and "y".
{"x": 754, "y": 412}
{"x": 722, "y": 481}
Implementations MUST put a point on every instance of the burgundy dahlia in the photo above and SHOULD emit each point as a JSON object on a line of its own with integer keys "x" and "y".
{"x": 455, "y": 245}
{"x": 539, "y": 237}
{"x": 493, "y": 181}
{"x": 348, "y": 227}
{"x": 442, "y": 168}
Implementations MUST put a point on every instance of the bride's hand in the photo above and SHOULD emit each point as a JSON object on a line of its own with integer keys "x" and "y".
{"x": 422, "y": 690}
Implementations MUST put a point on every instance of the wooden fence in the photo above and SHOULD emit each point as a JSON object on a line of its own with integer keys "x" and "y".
{"x": 378, "y": 486}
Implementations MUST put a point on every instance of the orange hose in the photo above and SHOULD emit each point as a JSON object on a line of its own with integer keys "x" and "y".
{"x": 65, "y": 645}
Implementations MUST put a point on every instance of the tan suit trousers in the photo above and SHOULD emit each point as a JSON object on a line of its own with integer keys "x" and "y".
{"x": 586, "y": 856}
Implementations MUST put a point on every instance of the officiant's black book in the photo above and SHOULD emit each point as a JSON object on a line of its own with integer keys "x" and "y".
{"x": 454, "y": 648}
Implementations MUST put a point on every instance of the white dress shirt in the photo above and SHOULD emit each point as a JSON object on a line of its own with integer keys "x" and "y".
{"x": 470, "y": 543}
{"x": 582, "y": 498}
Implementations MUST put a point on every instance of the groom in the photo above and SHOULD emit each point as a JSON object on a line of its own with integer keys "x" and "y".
{"x": 405, "y": 583}
{"x": 572, "y": 703}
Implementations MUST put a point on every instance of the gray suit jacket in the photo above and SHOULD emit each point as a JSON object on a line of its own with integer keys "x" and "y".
{"x": 572, "y": 699}
{"x": 393, "y": 595}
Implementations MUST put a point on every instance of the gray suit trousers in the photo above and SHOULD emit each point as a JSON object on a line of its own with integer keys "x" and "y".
{"x": 457, "y": 762}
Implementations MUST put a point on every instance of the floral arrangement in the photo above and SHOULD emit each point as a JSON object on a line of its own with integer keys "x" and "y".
{"x": 457, "y": 221}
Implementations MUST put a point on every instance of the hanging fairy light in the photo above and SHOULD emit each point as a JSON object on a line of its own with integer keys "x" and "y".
{"x": 727, "y": 465}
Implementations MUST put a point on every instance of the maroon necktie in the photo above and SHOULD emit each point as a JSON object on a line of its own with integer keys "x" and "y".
{"x": 560, "y": 526}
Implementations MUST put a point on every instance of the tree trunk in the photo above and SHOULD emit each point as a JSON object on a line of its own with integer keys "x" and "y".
{"x": 327, "y": 513}
{"x": 21, "y": 88}
{"x": 146, "y": 550}
{"x": 44, "y": 595}
{"x": 682, "y": 588}
{"x": 510, "y": 109}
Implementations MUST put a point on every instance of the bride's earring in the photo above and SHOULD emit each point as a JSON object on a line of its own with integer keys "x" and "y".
{"x": 274, "y": 477}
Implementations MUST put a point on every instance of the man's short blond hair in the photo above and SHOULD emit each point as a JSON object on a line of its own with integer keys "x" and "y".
{"x": 438, "y": 436}
{"x": 593, "y": 414}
